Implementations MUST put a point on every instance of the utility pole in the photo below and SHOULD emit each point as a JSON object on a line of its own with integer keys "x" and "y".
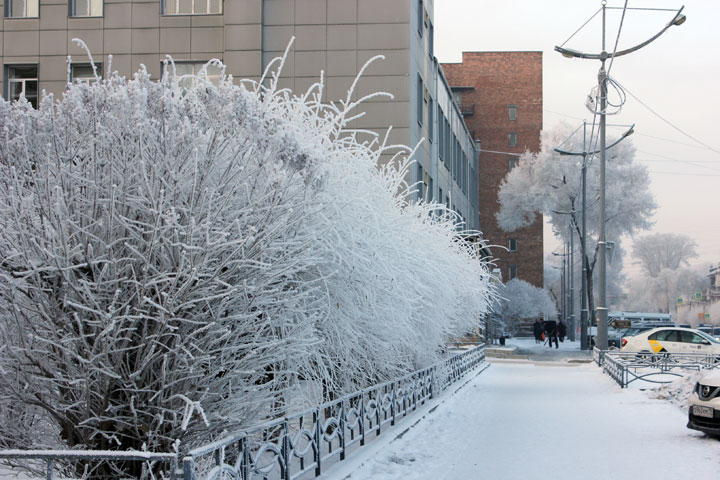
{"x": 584, "y": 312}
{"x": 571, "y": 282}
{"x": 602, "y": 311}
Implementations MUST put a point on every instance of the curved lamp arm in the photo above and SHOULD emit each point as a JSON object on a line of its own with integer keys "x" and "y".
{"x": 678, "y": 19}
{"x": 630, "y": 131}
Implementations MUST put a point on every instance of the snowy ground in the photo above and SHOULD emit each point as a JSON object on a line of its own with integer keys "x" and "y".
{"x": 533, "y": 420}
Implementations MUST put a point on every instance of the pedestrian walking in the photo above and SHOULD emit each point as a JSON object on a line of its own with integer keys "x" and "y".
{"x": 538, "y": 331}
{"x": 562, "y": 331}
{"x": 551, "y": 333}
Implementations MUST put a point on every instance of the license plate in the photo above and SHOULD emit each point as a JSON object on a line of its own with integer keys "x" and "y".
{"x": 701, "y": 411}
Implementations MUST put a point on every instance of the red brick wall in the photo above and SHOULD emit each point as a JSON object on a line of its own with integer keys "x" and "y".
{"x": 501, "y": 79}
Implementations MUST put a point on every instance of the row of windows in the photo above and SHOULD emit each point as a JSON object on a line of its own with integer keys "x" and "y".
{"x": 94, "y": 8}
{"x": 22, "y": 80}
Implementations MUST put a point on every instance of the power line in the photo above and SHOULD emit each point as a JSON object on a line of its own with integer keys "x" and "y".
{"x": 669, "y": 122}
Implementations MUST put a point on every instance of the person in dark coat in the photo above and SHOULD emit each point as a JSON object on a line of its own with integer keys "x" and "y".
{"x": 538, "y": 331}
{"x": 551, "y": 332}
{"x": 562, "y": 331}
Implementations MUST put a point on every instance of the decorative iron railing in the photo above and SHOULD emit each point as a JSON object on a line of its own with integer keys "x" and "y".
{"x": 296, "y": 446}
{"x": 628, "y": 367}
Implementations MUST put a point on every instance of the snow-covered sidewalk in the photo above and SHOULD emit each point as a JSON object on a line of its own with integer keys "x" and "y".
{"x": 527, "y": 421}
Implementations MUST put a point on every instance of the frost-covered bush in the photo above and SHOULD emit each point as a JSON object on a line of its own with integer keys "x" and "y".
{"x": 520, "y": 301}
{"x": 176, "y": 262}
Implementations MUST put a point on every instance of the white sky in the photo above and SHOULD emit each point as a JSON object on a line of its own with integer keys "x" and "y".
{"x": 676, "y": 76}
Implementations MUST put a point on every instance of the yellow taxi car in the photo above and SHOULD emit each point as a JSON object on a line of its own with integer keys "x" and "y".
{"x": 671, "y": 340}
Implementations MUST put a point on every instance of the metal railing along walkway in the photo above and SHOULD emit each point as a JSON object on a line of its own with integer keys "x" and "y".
{"x": 628, "y": 367}
{"x": 293, "y": 447}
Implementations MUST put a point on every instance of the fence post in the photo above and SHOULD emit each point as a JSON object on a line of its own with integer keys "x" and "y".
{"x": 342, "y": 429}
{"x": 285, "y": 448}
{"x": 246, "y": 459}
{"x": 393, "y": 401}
{"x": 318, "y": 445}
{"x": 188, "y": 468}
{"x": 49, "y": 470}
{"x": 362, "y": 419}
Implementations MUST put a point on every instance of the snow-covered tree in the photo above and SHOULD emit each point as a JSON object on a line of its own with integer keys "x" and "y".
{"x": 520, "y": 301}
{"x": 550, "y": 184}
{"x": 175, "y": 261}
{"x": 660, "y": 251}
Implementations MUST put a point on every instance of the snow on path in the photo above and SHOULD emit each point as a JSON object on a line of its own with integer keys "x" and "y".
{"x": 522, "y": 421}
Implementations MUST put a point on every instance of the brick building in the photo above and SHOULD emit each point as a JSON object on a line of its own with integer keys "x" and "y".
{"x": 500, "y": 96}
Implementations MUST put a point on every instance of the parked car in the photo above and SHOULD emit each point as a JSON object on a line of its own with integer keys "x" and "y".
{"x": 704, "y": 405}
{"x": 671, "y": 340}
{"x": 615, "y": 335}
{"x": 710, "y": 330}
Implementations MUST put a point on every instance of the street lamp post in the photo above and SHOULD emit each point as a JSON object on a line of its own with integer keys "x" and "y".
{"x": 584, "y": 314}
{"x": 678, "y": 19}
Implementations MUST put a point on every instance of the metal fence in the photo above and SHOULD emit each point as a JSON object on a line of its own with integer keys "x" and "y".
{"x": 628, "y": 367}
{"x": 297, "y": 446}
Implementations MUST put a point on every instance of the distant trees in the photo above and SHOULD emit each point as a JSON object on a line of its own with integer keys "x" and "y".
{"x": 660, "y": 251}
{"x": 550, "y": 184}
{"x": 176, "y": 261}
{"x": 664, "y": 259}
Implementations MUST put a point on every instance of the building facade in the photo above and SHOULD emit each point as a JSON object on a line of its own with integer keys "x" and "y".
{"x": 336, "y": 37}
{"x": 500, "y": 95}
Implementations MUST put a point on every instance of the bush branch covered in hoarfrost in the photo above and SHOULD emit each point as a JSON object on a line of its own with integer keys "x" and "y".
{"x": 176, "y": 261}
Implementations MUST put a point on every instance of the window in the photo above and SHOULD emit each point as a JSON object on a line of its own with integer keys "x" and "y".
{"x": 86, "y": 8}
{"x": 512, "y": 244}
{"x": 664, "y": 336}
{"x": 431, "y": 119}
{"x": 430, "y": 188}
{"x": 690, "y": 337}
{"x": 420, "y": 182}
{"x": 21, "y": 8}
{"x": 192, "y": 7}
{"x": 512, "y": 112}
{"x": 513, "y": 271}
{"x": 187, "y": 72}
{"x": 431, "y": 41}
{"x": 420, "y": 99}
{"x": 83, "y": 72}
{"x": 440, "y": 195}
{"x": 512, "y": 139}
{"x": 420, "y": 17}
{"x": 512, "y": 163}
{"x": 22, "y": 80}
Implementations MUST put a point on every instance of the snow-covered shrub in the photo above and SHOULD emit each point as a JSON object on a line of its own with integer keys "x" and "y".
{"x": 520, "y": 301}
{"x": 176, "y": 261}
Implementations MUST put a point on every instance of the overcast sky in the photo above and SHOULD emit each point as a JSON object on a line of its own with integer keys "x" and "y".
{"x": 676, "y": 76}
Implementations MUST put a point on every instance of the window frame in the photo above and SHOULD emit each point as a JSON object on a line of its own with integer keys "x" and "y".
{"x": 512, "y": 244}
{"x": 194, "y": 63}
{"x": 512, "y": 272}
{"x": 98, "y": 66}
{"x": 512, "y": 163}
{"x": 7, "y": 10}
{"x": 512, "y": 139}
{"x": 421, "y": 17}
{"x": 420, "y": 99}
{"x": 8, "y": 80}
{"x": 72, "y": 9}
{"x": 431, "y": 119}
{"x": 165, "y": 12}
{"x": 512, "y": 112}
